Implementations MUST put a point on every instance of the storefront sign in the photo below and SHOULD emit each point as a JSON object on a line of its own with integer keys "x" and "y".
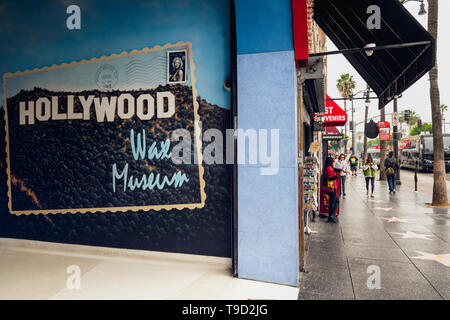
{"x": 384, "y": 130}
{"x": 314, "y": 147}
{"x": 318, "y": 124}
{"x": 332, "y": 136}
{"x": 97, "y": 135}
{"x": 334, "y": 115}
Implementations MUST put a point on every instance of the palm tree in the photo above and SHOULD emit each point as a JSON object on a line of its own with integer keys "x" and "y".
{"x": 439, "y": 184}
{"x": 345, "y": 85}
{"x": 413, "y": 118}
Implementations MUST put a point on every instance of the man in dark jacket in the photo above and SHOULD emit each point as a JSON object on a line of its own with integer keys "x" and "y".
{"x": 390, "y": 167}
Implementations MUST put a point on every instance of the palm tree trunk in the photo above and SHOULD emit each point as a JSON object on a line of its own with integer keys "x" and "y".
{"x": 382, "y": 148}
{"x": 439, "y": 183}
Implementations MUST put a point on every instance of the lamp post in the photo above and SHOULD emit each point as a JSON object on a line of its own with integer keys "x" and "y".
{"x": 366, "y": 115}
{"x": 352, "y": 95}
{"x": 396, "y": 134}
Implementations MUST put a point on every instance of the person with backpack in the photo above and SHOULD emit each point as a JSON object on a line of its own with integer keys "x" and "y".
{"x": 353, "y": 164}
{"x": 370, "y": 170}
{"x": 390, "y": 167}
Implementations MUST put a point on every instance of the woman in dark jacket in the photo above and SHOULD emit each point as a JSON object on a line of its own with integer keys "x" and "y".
{"x": 329, "y": 186}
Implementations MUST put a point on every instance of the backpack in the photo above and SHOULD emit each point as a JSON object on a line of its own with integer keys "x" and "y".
{"x": 389, "y": 164}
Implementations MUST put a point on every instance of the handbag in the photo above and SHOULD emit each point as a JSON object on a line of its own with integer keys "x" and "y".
{"x": 389, "y": 171}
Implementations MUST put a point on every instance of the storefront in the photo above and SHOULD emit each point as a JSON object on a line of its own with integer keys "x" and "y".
{"x": 116, "y": 125}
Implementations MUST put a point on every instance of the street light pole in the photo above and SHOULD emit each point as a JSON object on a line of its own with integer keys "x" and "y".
{"x": 353, "y": 127}
{"x": 396, "y": 133}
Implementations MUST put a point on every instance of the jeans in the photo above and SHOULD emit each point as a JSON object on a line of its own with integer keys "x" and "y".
{"x": 391, "y": 182}
{"x": 372, "y": 180}
{"x": 342, "y": 189}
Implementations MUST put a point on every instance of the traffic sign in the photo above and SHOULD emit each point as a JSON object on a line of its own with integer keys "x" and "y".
{"x": 395, "y": 119}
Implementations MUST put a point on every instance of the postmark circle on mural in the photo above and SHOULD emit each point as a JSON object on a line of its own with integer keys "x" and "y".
{"x": 106, "y": 77}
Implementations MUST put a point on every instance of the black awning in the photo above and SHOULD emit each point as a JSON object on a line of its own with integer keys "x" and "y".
{"x": 388, "y": 72}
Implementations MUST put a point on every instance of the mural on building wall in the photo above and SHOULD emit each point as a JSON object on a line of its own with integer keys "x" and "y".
{"x": 99, "y": 135}
{"x": 89, "y": 144}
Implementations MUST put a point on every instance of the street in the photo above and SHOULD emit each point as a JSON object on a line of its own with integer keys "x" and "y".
{"x": 424, "y": 181}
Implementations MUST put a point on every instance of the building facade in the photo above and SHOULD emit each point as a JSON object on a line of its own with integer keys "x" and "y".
{"x": 181, "y": 126}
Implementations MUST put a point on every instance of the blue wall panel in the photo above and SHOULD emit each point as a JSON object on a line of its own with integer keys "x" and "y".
{"x": 267, "y": 204}
{"x": 263, "y": 26}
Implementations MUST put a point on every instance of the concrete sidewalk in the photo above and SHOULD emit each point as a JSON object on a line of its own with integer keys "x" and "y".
{"x": 39, "y": 270}
{"x": 397, "y": 235}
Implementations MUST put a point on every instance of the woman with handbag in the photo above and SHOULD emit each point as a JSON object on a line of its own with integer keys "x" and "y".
{"x": 329, "y": 186}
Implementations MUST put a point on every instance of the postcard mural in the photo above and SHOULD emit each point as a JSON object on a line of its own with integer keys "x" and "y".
{"x": 96, "y": 135}
{"x": 89, "y": 123}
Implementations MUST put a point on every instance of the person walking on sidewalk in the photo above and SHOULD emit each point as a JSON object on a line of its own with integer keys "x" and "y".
{"x": 342, "y": 167}
{"x": 370, "y": 171}
{"x": 390, "y": 165}
{"x": 329, "y": 186}
{"x": 353, "y": 164}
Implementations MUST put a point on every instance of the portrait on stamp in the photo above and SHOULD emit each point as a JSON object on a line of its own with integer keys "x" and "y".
{"x": 176, "y": 66}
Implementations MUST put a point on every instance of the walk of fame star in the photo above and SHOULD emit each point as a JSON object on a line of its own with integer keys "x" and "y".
{"x": 377, "y": 201}
{"x": 394, "y": 219}
{"x": 441, "y": 258}
{"x": 413, "y": 235}
{"x": 384, "y": 209}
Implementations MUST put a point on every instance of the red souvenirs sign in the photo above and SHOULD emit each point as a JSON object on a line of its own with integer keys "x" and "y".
{"x": 334, "y": 115}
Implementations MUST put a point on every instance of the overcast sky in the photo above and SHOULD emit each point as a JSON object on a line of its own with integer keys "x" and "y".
{"x": 417, "y": 97}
